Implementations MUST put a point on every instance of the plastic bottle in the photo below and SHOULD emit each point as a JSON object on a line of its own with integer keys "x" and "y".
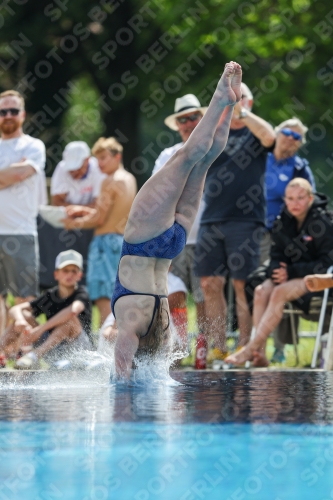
{"x": 201, "y": 352}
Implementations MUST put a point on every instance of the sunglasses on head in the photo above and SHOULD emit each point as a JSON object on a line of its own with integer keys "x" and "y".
{"x": 191, "y": 118}
{"x": 295, "y": 135}
{"x": 12, "y": 111}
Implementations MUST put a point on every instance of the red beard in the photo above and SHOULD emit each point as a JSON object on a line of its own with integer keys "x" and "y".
{"x": 9, "y": 126}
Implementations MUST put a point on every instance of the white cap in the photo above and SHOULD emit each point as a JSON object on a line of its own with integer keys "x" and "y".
{"x": 74, "y": 155}
{"x": 183, "y": 105}
{"x": 69, "y": 257}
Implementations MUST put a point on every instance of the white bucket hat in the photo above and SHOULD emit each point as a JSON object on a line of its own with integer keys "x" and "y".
{"x": 74, "y": 155}
{"x": 183, "y": 105}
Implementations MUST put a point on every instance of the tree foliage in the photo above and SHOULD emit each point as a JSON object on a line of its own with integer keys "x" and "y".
{"x": 136, "y": 56}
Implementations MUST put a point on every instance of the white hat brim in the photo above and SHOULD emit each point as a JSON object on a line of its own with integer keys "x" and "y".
{"x": 69, "y": 262}
{"x": 170, "y": 121}
{"x": 71, "y": 165}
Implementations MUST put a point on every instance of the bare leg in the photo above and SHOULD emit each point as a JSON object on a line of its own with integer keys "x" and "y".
{"x": 13, "y": 337}
{"x": 110, "y": 334}
{"x": 9, "y": 343}
{"x": 126, "y": 346}
{"x": 243, "y": 313}
{"x": 168, "y": 191}
{"x": 216, "y": 309}
{"x": 3, "y": 315}
{"x": 318, "y": 282}
{"x": 67, "y": 331}
{"x": 201, "y": 317}
{"x": 104, "y": 308}
{"x": 178, "y": 311}
{"x": 262, "y": 295}
{"x": 291, "y": 290}
{"x": 19, "y": 300}
{"x": 177, "y": 299}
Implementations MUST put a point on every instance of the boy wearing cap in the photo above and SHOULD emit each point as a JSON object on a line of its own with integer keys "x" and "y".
{"x": 108, "y": 218}
{"x": 68, "y": 311}
{"x": 77, "y": 179}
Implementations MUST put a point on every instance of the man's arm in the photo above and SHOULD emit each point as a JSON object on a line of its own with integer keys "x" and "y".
{"x": 59, "y": 200}
{"x": 78, "y": 210}
{"x": 258, "y": 126}
{"x": 96, "y": 216}
{"x": 17, "y": 172}
{"x": 33, "y": 161}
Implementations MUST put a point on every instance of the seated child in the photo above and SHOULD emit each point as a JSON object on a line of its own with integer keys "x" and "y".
{"x": 68, "y": 312}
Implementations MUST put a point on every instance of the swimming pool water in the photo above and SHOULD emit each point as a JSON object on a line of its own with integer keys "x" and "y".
{"x": 235, "y": 435}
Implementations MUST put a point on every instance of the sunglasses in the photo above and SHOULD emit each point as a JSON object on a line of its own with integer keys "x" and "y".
{"x": 12, "y": 111}
{"x": 191, "y": 118}
{"x": 295, "y": 135}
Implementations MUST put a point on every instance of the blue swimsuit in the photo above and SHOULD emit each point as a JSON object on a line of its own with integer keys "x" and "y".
{"x": 165, "y": 246}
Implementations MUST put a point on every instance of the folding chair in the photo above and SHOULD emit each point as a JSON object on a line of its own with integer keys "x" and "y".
{"x": 289, "y": 309}
{"x": 328, "y": 360}
{"x": 318, "y": 307}
{"x": 320, "y": 330}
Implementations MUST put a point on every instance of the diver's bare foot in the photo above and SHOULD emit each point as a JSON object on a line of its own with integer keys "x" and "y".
{"x": 229, "y": 84}
{"x": 260, "y": 360}
{"x": 239, "y": 358}
{"x": 318, "y": 282}
{"x": 236, "y": 81}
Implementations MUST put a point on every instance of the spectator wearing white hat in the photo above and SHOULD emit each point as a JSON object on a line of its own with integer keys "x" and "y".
{"x": 108, "y": 219}
{"x": 77, "y": 179}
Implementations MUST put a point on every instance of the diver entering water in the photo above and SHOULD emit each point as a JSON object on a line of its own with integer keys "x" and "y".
{"x": 160, "y": 220}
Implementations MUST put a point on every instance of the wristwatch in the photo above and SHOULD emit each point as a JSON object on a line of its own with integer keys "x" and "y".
{"x": 243, "y": 113}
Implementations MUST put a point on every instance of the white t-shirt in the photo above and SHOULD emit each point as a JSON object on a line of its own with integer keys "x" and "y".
{"x": 19, "y": 202}
{"x": 78, "y": 191}
{"x": 161, "y": 160}
{"x": 175, "y": 284}
{"x": 42, "y": 191}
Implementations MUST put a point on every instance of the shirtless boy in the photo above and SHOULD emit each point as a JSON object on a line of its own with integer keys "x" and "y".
{"x": 108, "y": 218}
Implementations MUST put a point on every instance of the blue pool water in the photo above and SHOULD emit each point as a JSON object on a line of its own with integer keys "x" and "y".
{"x": 235, "y": 435}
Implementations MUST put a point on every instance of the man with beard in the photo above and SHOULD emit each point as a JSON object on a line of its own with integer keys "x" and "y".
{"x": 22, "y": 163}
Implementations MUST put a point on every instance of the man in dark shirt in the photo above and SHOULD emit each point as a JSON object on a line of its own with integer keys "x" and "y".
{"x": 67, "y": 309}
{"x": 232, "y": 222}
